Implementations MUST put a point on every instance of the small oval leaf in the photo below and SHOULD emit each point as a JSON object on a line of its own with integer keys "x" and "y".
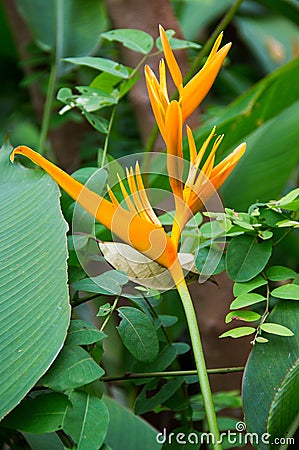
{"x": 238, "y": 332}
{"x": 248, "y": 286}
{"x": 275, "y": 328}
{"x": 247, "y": 316}
{"x": 246, "y": 257}
{"x": 279, "y": 273}
{"x": 287, "y": 291}
{"x": 136, "y": 40}
{"x": 138, "y": 334}
{"x": 246, "y": 299}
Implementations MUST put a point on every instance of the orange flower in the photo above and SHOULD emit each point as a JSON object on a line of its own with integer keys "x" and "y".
{"x": 190, "y": 95}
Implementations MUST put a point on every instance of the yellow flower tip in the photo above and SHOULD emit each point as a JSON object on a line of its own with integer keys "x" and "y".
{"x": 21, "y": 150}
{"x": 148, "y": 71}
{"x": 239, "y": 151}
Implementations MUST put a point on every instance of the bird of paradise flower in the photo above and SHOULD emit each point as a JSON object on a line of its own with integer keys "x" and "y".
{"x": 137, "y": 224}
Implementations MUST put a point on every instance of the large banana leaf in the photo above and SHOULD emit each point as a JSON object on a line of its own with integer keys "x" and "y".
{"x": 72, "y": 27}
{"x": 34, "y": 308}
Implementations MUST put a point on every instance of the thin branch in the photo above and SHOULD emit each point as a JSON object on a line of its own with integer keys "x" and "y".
{"x": 168, "y": 374}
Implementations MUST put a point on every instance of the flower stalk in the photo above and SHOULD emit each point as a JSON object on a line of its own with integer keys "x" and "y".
{"x": 200, "y": 363}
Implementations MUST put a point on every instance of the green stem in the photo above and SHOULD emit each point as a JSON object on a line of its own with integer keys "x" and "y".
{"x": 169, "y": 374}
{"x": 200, "y": 362}
{"x": 210, "y": 42}
{"x": 107, "y": 137}
{"x": 65, "y": 439}
{"x": 110, "y": 313}
{"x": 79, "y": 301}
{"x": 48, "y": 108}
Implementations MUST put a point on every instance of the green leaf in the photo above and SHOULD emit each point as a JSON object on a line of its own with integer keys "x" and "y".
{"x": 144, "y": 403}
{"x": 283, "y": 414}
{"x": 273, "y": 37}
{"x": 42, "y": 414}
{"x": 275, "y": 328}
{"x": 141, "y": 435}
{"x": 86, "y": 421}
{"x": 287, "y": 291}
{"x": 78, "y": 33}
{"x": 34, "y": 308}
{"x": 108, "y": 283}
{"x": 167, "y": 320}
{"x": 83, "y": 333}
{"x": 138, "y": 334}
{"x": 238, "y": 332}
{"x": 288, "y": 223}
{"x": 136, "y": 40}
{"x": 261, "y": 340}
{"x": 244, "y": 300}
{"x": 99, "y": 123}
{"x": 247, "y": 316}
{"x": 246, "y": 257}
{"x": 210, "y": 11}
{"x": 73, "y": 368}
{"x": 104, "y": 310}
{"x": 46, "y": 441}
{"x": 176, "y": 44}
{"x": 286, "y": 8}
{"x": 289, "y": 198}
{"x": 248, "y": 286}
{"x": 102, "y": 64}
{"x": 209, "y": 261}
{"x": 279, "y": 273}
{"x": 163, "y": 360}
{"x": 266, "y": 369}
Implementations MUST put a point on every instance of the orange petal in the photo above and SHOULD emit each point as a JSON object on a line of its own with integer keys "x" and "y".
{"x": 158, "y": 108}
{"x": 163, "y": 84}
{"x": 197, "y": 160}
{"x": 144, "y": 199}
{"x": 126, "y": 195}
{"x": 198, "y": 87}
{"x": 215, "y": 48}
{"x": 224, "y": 168}
{"x": 173, "y": 125}
{"x": 172, "y": 64}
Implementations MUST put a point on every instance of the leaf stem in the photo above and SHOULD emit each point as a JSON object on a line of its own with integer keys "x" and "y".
{"x": 264, "y": 316}
{"x": 169, "y": 374}
{"x": 65, "y": 439}
{"x": 178, "y": 277}
{"x": 48, "y": 108}
{"x": 110, "y": 313}
{"x": 107, "y": 137}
